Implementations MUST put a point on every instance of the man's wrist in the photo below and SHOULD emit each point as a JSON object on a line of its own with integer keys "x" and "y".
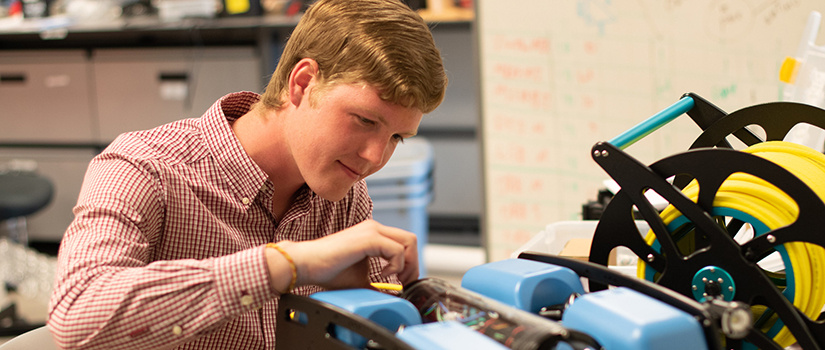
{"x": 282, "y": 268}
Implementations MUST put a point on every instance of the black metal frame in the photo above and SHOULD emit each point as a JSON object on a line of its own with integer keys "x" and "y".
{"x": 316, "y": 332}
{"x": 710, "y": 167}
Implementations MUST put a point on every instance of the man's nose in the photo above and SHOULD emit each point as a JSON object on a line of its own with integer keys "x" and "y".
{"x": 376, "y": 150}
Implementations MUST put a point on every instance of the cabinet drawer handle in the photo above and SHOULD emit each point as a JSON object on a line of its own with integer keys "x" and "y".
{"x": 173, "y": 77}
{"x": 12, "y": 78}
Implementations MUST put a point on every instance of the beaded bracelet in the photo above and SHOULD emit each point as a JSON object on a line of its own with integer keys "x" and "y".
{"x": 291, "y": 266}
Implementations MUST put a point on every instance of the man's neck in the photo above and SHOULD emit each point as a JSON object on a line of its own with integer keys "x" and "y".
{"x": 259, "y": 134}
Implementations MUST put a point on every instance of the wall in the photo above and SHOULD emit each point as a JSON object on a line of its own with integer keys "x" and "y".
{"x": 559, "y": 76}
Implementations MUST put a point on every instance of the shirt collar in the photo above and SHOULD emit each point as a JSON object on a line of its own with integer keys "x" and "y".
{"x": 241, "y": 172}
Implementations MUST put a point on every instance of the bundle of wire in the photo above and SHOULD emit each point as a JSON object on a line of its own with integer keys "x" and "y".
{"x": 765, "y": 207}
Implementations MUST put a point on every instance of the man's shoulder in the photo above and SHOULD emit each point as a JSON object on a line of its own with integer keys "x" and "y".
{"x": 177, "y": 142}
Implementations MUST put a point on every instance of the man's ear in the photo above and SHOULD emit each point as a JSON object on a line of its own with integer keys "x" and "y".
{"x": 301, "y": 78}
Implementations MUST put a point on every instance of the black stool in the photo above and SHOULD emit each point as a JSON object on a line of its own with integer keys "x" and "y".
{"x": 22, "y": 193}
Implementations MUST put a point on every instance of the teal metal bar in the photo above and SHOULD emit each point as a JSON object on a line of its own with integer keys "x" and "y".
{"x": 653, "y": 123}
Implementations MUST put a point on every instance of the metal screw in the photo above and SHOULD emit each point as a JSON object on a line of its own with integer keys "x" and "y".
{"x": 596, "y": 153}
{"x": 695, "y": 287}
{"x": 730, "y": 288}
{"x": 650, "y": 258}
{"x": 705, "y": 279}
{"x": 712, "y": 269}
{"x": 604, "y": 153}
{"x": 770, "y": 238}
{"x": 720, "y": 280}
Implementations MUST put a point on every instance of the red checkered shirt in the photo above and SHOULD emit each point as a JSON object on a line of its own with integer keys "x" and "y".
{"x": 167, "y": 246}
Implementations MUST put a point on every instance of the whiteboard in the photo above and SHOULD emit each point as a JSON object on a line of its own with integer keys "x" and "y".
{"x": 559, "y": 76}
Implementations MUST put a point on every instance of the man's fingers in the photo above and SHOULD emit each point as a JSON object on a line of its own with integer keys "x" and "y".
{"x": 407, "y": 268}
{"x": 392, "y": 251}
{"x": 399, "y": 235}
{"x": 335, "y": 258}
{"x": 409, "y": 274}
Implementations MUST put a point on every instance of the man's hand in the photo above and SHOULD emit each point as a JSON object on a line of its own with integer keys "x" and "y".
{"x": 340, "y": 260}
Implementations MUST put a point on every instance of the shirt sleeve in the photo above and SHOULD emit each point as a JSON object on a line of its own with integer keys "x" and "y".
{"x": 109, "y": 294}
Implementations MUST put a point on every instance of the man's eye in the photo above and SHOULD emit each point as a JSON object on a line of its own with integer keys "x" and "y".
{"x": 366, "y": 121}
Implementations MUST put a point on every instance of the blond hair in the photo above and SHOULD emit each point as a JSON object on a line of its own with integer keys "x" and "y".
{"x": 379, "y": 42}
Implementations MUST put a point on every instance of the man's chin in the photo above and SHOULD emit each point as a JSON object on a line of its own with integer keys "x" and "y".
{"x": 332, "y": 195}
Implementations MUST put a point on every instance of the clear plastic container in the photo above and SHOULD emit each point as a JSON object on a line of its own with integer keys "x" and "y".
{"x": 804, "y": 81}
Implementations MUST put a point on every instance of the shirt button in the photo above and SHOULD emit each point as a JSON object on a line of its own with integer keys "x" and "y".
{"x": 176, "y": 330}
{"x": 247, "y": 300}
{"x": 245, "y": 200}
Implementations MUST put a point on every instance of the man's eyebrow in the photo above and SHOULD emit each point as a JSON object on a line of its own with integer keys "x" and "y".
{"x": 384, "y": 122}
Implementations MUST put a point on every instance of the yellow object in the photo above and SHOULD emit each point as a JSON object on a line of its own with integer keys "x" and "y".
{"x": 787, "y": 73}
{"x": 773, "y": 208}
{"x": 387, "y": 286}
{"x": 291, "y": 266}
{"x": 234, "y": 7}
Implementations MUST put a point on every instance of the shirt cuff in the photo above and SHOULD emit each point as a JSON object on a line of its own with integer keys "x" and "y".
{"x": 242, "y": 281}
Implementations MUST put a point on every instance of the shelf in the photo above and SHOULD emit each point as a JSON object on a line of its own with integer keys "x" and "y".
{"x": 455, "y": 14}
{"x": 10, "y": 26}
{"x": 59, "y": 32}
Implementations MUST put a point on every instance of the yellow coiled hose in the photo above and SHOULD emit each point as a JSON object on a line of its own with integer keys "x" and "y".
{"x": 773, "y": 208}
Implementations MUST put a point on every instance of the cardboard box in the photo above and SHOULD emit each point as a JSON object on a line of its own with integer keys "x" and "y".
{"x": 554, "y": 239}
{"x": 579, "y": 248}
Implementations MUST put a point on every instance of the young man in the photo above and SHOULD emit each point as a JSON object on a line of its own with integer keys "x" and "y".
{"x": 185, "y": 235}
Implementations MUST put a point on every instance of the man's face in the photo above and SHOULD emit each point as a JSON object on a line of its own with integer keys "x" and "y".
{"x": 347, "y": 134}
